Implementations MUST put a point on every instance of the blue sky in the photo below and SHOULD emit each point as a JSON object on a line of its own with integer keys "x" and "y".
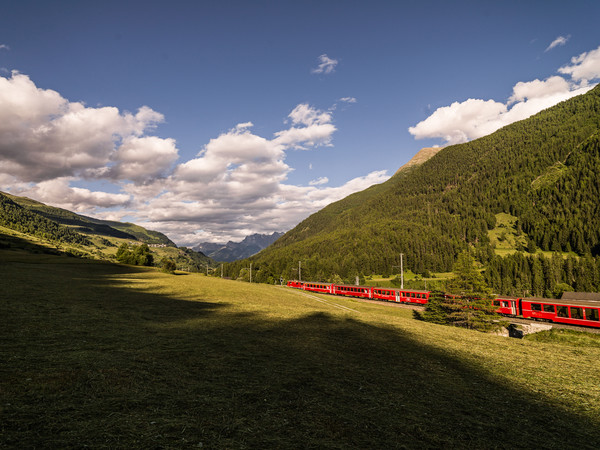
{"x": 213, "y": 120}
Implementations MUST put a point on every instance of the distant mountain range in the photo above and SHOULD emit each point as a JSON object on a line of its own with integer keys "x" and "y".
{"x": 232, "y": 251}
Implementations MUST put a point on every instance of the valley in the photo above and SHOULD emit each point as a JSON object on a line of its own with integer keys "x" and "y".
{"x": 128, "y": 356}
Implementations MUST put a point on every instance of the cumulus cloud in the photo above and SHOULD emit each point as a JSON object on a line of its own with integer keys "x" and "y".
{"x": 326, "y": 65}
{"x": 236, "y": 185}
{"x": 59, "y": 193}
{"x": 474, "y": 118}
{"x": 191, "y": 221}
{"x": 315, "y": 128}
{"x": 142, "y": 158}
{"x": 584, "y": 67}
{"x": 561, "y": 40}
{"x": 460, "y": 122}
{"x": 44, "y": 136}
{"x": 318, "y": 181}
{"x": 4, "y": 47}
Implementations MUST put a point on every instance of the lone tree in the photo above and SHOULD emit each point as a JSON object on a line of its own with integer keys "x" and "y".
{"x": 467, "y": 301}
{"x": 168, "y": 265}
{"x": 139, "y": 256}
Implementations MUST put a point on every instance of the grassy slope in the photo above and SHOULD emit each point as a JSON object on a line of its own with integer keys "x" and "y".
{"x": 101, "y": 355}
{"x": 90, "y": 225}
{"x": 104, "y": 236}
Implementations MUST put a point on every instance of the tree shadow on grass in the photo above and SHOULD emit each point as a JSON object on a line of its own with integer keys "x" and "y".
{"x": 115, "y": 367}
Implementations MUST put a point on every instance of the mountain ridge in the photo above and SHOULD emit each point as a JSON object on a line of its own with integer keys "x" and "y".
{"x": 437, "y": 209}
{"x": 233, "y": 251}
{"x": 33, "y": 226}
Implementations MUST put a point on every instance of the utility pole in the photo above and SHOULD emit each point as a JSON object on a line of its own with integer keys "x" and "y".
{"x": 221, "y": 270}
{"x": 401, "y": 271}
{"x": 250, "y": 272}
{"x": 206, "y": 269}
{"x": 299, "y": 270}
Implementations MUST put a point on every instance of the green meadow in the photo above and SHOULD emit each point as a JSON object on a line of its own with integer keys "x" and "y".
{"x": 101, "y": 355}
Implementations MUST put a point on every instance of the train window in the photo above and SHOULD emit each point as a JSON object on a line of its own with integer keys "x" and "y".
{"x": 591, "y": 314}
{"x": 576, "y": 313}
{"x": 536, "y": 307}
{"x": 505, "y": 304}
{"x": 549, "y": 308}
{"x": 496, "y": 302}
{"x": 562, "y": 311}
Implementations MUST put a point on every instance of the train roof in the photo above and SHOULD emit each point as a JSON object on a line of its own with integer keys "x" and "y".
{"x": 578, "y": 296}
{"x": 379, "y": 287}
{"x": 566, "y": 302}
{"x": 353, "y": 286}
{"x": 400, "y": 290}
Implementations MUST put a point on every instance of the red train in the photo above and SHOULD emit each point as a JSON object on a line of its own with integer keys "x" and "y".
{"x": 574, "y": 308}
{"x": 389, "y": 294}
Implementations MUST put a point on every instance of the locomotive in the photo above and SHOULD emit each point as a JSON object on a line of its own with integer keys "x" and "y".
{"x": 574, "y": 308}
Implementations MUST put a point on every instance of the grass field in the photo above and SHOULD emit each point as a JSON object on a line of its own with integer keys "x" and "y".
{"x": 99, "y": 355}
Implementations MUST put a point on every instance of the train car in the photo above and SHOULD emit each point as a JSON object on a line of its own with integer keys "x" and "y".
{"x": 576, "y": 308}
{"x": 401, "y": 295}
{"x": 324, "y": 288}
{"x": 353, "y": 291}
{"x": 414, "y": 297}
{"x": 295, "y": 284}
{"x": 568, "y": 311}
{"x": 508, "y": 306}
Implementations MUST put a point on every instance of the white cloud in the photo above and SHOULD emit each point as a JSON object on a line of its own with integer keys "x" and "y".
{"x": 348, "y": 99}
{"x": 58, "y": 193}
{"x": 584, "y": 67}
{"x": 236, "y": 185}
{"x": 561, "y": 40}
{"x": 4, "y": 47}
{"x": 140, "y": 159}
{"x": 306, "y": 115}
{"x": 460, "y": 122}
{"x": 326, "y": 65}
{"x": 474, "y": 118}
{"x": 317, "y": 129}
{"x": 43, "y": 136}
{"x": 537, "y": 89}
{"x": 319, "y": 181}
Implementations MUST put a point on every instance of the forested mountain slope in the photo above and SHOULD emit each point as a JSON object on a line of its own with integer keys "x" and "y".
{"x": 19, "y": 218}
{"x": 90, "y": 225}
{"x": 33, "y": 226}
{"x": 543, "y": 170}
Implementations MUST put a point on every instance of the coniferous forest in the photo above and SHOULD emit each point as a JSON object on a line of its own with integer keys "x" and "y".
{"x": 544, "y": 170}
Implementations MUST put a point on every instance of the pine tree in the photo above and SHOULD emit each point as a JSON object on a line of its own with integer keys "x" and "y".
{"x": 468, "y": 301}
